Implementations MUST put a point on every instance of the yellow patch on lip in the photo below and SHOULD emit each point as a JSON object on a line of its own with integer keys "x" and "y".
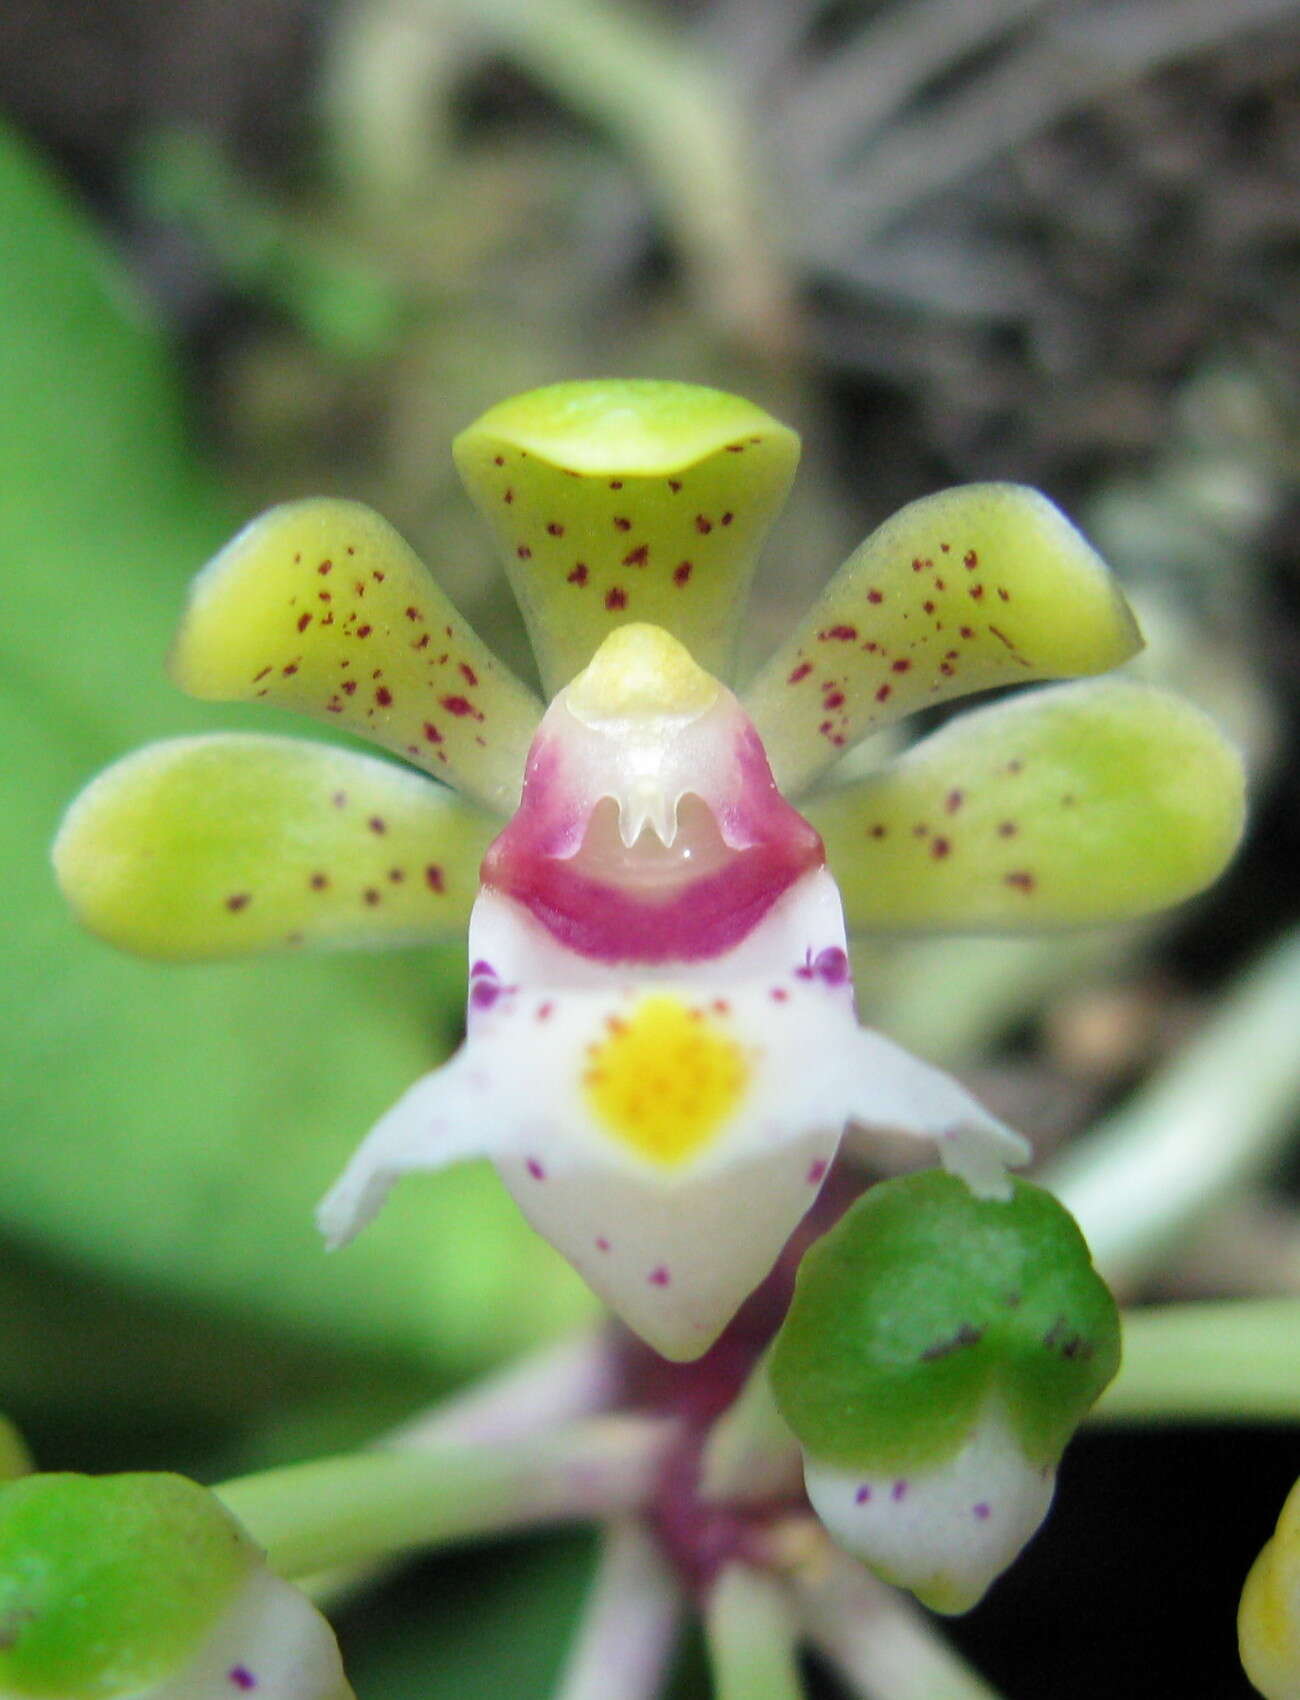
{"x": 666, "y": 1080}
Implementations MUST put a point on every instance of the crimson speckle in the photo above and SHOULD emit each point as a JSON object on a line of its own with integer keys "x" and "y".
{"x": 433, "y": 877}
{"x": 318, "y": 882}
{"x": 917, "y": 564}
{"x": 976, "y": 592}
{"x": 1020, "y": 880}
{"x": 615, "y": 597}
{"x": 816, "y": 1170}
{"x": 396, "y": 875}
{"x": 966, "y": 631}
{"x": 898, "y": 1491}
{"x": 939, "y": 848}
{"x": 290, "y": 670}
{"x": 602, "y": 1244}
{"x": 325, "y": 567}
{"x": 877, "y": 831}
{"x": 970, "y": 560}
{"x": 349, "y": 686}
{"x": 982, "y": 1511}
{"x": 839, "y": 634}
{"x": 875, "y": 596}
{"x": 524, "y": 552}
{"x": 637, "y": 557}
{"x": 459, "y": 706}
{"x": 1003, "y": 595}
{"x": 901, "y": 666}
{"x": 659, "y": 1276}
{"x": 555, "y": 528}
{"x": 304, "y": 620}
{"x": 674, "y": 484}
{"x": 383, "y": 696}
{"x": 616, "y": 483}
{"x": 728, "y": 517}
{"x": 884, "y": 693}
{"x": 413, "y": 614}
{"x": 928, "y": 606}
{"x": 377, "y": 823}
{"x": 258, "y": 677}
{"x": 376, "y": 574}
{"x": 360, "y": 587}
{"x": 535, "y": 1169}
{"x": 834, "y": 700}
{"x": 779, "y": 994}
{"x": 239, "y": 1676}
{"x": 507, "y": 496}
{"x": 545, "y": 1011}
{"x": 863, "y": 1495}
{"x": 621, "y": 523}
{"x": 801, "y": 672}
{"x": 364, "y": 631}
{"x": 682, "y": 572}
{"x": 735, "y": 448}
{"x": 954, "y": 800}
{"x": 498, "y": 460}
{"x": 703, "y": 525}
{"x": 468, "y": 674}
{"x": 579, "y": 573}
{"x": 1007, "y": 829}
{"x": 421, "y": 642}
{"x": 370, "y": 896}
{"x": 238, "y": 900}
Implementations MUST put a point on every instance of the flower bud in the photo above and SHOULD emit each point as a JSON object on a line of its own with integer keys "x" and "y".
{"x": 939, "y": 1353}
{"x": 145, "y": 1586}
{"x": 1268, "y": 1623}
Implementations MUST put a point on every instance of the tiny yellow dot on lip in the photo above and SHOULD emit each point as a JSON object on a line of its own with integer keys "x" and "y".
{"x": 666, "y": 1081}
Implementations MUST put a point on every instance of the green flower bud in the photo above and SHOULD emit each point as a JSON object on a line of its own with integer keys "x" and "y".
{"x": 145, "y": 1586}
{"x": 940, "y": 1351}
{"x": 1268, "y": 1622}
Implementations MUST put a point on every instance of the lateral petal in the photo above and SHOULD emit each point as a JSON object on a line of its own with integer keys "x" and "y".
{"x": 982, "y": 585}
{"x": 627, "y": 500}
{"x": 1083, "y": 803}
{"x": 322, "y": 607}
{"x": 225, "y": 845}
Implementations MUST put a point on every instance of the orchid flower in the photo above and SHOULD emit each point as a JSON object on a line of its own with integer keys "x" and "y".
{"x": 662, "y": 1053}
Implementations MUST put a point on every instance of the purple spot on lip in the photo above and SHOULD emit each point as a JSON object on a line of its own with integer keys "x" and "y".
{"x": 535, "y": 1169}
{"x": 816, "y": 1171}
{"x": 602, "y": 1244}
{"x": 832, "y": 966}
{"x": 658, "y": 1277}
{"x": 862, "y": 1495}
{"x": 241, "y": 1677}
{"x": 481, "y": 968}
{"x": 982, "y": 1511}
{"x": 898, "y": 1490}
{"x": 484, "y": 993}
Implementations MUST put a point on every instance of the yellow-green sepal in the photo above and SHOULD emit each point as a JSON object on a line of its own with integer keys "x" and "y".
{"x": 220, "y": 846}
{"x": 1077, "y": 804}
{"x": 1268, "y": 1620}
{"x": 982, "y": 585}
{"x": 626, "y": 500}
{"x": 320, "y": 606}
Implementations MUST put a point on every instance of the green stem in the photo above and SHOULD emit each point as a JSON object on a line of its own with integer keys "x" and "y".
{"x": 319, "y": 1516}
{"x": 1209, "y": 1361}
{"x": 751, "y": 1634}
{"x": 1218, "y": 1114}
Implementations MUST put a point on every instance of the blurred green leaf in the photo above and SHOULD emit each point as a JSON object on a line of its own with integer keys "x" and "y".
{"x": 174, "y": 1127}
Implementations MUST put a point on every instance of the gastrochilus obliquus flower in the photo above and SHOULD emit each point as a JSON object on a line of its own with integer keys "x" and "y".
{"x": 662, "y": 1053}
{"x": 143, "y": 1587}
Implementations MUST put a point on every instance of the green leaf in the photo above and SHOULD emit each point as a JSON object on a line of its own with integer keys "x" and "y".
{"x": 175, "y": 1127}
{"x": 982, "y": 585}
{"x": 1080, "y": 804}
{"x": 632, "y": 500}
{"x": 922, "y": 1305}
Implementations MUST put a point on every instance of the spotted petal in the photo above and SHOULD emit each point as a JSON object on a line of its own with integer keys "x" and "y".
{"x": 632, "y": 500}
{"x": 320, "y": 606}
{"x": 1082, "y": 803}
{"x": 219, "y": 846}
{"x": 983, "y": 585}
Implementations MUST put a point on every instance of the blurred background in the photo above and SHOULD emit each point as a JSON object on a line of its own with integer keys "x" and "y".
{"x": 254, "y": 249}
